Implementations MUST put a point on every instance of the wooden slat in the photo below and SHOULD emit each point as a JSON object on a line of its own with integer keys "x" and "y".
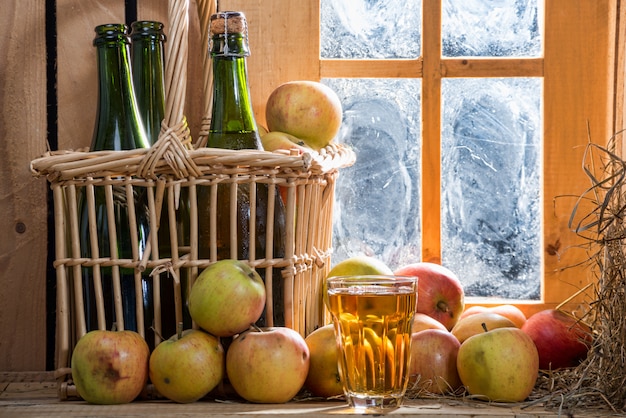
{"x": 576, "y": 97}
{"x": 409, "y": 68}
{"x": 481, "y": 67}
{"x": 23, "y": 247}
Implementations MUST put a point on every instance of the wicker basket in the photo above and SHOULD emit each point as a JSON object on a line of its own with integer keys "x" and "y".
{"x": 163, "y": 172}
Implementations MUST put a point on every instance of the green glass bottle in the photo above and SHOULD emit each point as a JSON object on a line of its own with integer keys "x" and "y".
{"x": 233, "y": 126}
{"x": 118, "y": 127}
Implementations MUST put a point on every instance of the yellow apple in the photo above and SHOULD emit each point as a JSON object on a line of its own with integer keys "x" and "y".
{"x": 323, "y": 378}
{"x": 501, "y": 365}
{"x": 308, "y": 110}
{"x": 275, "y": 140}
{"x": 187, "y": 366}
{"x": 512, "y": 312}
{"x": 475, "y": 324}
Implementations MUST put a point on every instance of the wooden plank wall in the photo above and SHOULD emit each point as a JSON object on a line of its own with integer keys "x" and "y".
{"x": 24, "y": 229}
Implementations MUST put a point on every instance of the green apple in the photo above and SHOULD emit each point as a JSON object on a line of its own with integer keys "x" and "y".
{"x": 358, "y": 265}
{"x": 308, "y": 110}
{"x": 275, "y": 140}
{"x": 501, "y": 365}
{"x": 226, "y": 298}
{"x": 187, "y": 366}
{"x": 110, "y": 367}
{"x": 268, "y": 365}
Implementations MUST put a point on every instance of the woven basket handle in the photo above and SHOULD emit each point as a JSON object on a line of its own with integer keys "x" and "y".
{"x": 175, "y": 138}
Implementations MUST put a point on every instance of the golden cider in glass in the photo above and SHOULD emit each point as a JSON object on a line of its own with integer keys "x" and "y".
{"x": 373, "y": 316}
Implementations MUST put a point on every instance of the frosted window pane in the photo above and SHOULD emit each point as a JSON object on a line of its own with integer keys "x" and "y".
{"x": 491, "y": 177}
{"x": 376, "y": 208}
{"x": 370, "y": 28}
{"x": 492, "y": 28}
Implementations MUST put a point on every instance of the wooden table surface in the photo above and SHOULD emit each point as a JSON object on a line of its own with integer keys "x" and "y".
{"x": 35, "y": 395}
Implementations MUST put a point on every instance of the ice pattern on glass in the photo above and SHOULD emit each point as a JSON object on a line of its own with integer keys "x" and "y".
{"x": 377, "y": 210}
{"x": 370, "y": 28}
{"x": 490, "y": 185}
{"x": 491, "y": 28}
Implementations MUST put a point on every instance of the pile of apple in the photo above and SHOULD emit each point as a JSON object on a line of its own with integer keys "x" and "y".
{"x": 494, "y": 353}
{"x": 263, "y": 365}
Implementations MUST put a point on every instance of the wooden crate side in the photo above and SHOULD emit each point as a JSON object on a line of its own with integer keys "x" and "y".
{"x": 23, "y": 247}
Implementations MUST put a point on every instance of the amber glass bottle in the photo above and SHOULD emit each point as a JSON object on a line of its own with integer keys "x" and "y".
{"x": 118, "y": 127}
{"x": 233, "y": 126}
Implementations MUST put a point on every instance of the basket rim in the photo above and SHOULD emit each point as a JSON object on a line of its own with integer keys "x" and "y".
{"x": 66, "y": 165}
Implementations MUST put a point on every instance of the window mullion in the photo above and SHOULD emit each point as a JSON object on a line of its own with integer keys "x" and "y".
{"x": 431, "y": 131}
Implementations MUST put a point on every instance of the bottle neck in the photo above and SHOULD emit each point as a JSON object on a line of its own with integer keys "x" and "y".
{"x": 233, "y": 124}
{"x": 147, "y": 65}
{"x": 118, "y": 125}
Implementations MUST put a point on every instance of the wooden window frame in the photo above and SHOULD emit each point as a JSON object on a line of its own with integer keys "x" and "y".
{"x": 578, "y": 70}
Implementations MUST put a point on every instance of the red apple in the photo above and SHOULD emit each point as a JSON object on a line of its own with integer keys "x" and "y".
{"x": 226, "y": 298}
{"x": 268, "y": 365}
{"x": 562, "y": 340}
{"x": 501, "y": 365}
{"x": 433, "y": 361}
{"x": 512, "y": 312}
{"x": 110, "y": 367}
{"x": 421, "y": 322}
{"x": 440, "y": 294}
{"x": 308, "y": 110}
{"x": 187, "y": 366}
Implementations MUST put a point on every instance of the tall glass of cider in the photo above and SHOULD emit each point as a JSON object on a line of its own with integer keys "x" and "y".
{"x": 373, "y": 315}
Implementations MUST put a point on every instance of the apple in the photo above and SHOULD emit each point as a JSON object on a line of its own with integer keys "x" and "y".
{"x": 433, "y": 361}
{"x": 323, "y": 378}
{"x": 440, "y": 294}
{"x": 275, "y": 140}
{"x": 110, "y": 367}
{"x": 501, "y": 365}
{"x": 187, "y": 366}
{"x": 308, "y": 110}
{"x": 358, "y": 265}
{"x": 226, "y": 298}
{"x": 476, "y": 324}
{"x": 562, "y": 340}
{"x": 512, "y": 312}
{"x": 421, "y": 322}
{"x": 268, "y": 365}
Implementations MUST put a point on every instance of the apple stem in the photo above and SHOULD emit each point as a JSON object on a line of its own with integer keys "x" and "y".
{"x": 484, "y": 327}
{"x": 179, "y": 330}
{"x": 114, "y": 326}
{"x": 256, "y": 327}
